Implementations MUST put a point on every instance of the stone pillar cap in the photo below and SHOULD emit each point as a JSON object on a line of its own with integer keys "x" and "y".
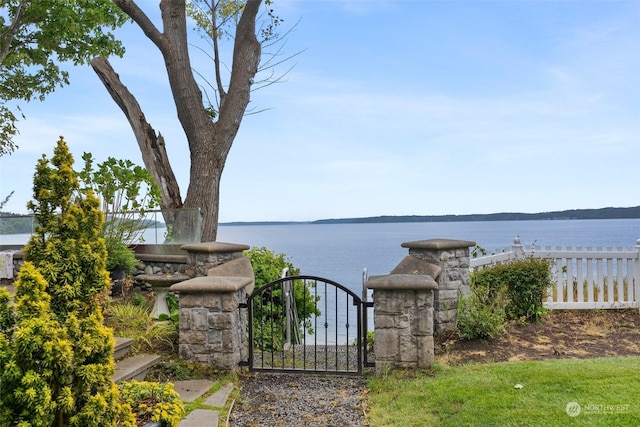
{"x": 212, "y": 284}
{"x": 390, "y": 282}
{"x": 213, "y": 247}
{"x": 414, "y": 265}
{"x": 438, "y": 244}
{"x": 237, "y": 267}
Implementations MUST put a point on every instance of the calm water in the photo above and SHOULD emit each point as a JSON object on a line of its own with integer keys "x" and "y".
{"x": 341, "y": 251}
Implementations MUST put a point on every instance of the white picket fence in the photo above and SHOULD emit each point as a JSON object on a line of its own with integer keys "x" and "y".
{"x": 600, "y": 278}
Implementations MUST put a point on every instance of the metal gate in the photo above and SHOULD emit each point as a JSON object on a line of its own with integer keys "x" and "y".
{"x": 306, "y": 324}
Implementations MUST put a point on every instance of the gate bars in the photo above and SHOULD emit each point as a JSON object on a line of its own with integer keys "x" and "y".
{"x": 303, "y": 324}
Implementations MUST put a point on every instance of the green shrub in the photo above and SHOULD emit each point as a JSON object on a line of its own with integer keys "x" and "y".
{"x": 269, "y": 322}
{"x": 481, "y": 314}
{"x": 153, "y": 402}
{"x": 119, "y": 256}
{"x": 56, "y": 356}
{"x": 127, "y": 192}
{"x": 526, "y": 280}
{"x": 135, "y": 322}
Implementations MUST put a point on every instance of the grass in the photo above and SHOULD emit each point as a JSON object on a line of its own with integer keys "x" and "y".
{"x": 607, "y": 390}
{"x": 604, "y": 292}
{"x": 134, "y": 321}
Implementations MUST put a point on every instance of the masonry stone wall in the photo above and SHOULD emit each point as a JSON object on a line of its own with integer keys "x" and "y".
{"x": 213, "y": 329}
{"x": 452, "y": 256}
{"x": 403, "y": 320}
{"x": 148, "y": 264}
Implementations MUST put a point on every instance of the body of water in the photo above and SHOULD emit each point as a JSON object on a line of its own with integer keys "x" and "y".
{"x": 340, "y": 252}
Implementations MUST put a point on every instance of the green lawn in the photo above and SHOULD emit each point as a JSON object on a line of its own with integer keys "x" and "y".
{"x": 607, "y": 391}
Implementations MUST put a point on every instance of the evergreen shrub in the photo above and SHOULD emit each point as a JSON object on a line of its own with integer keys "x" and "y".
{"x": 56, "y": 356}
{"x": 526, "y": 281}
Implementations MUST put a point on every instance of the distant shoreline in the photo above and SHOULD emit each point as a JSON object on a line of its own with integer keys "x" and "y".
{"x": 24, "y": 221}
{"x": 574, "y": 214}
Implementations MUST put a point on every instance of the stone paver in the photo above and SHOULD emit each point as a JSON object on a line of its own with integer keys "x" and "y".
{"x": 219, "y": 398}
{"x": 200, "y": 418}
{"x": 190, "y": 390}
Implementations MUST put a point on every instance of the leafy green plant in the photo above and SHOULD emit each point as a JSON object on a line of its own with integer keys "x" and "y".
{"x": 477, "y": 251}
{"x": 127, "y": 193}
{"x": 269, "y": 313}
{"x": 135, "y": 321}
{"x": 481, "y": 314}
{"x": 526, "y": 280}
{"x": 120, "y": 256}
{"x": 153, "y": 402}
{"x": 138, "y": 299}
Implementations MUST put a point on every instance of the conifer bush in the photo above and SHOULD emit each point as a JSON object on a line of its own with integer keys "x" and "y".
{"x": 56, "y": 356}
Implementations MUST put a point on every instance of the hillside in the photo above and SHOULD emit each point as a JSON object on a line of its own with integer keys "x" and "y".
{"x": 12, "y": 223}
{"x": 604, "y": 213}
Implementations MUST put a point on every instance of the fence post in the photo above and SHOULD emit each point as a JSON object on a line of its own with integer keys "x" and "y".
{"x": 518, "y": 250}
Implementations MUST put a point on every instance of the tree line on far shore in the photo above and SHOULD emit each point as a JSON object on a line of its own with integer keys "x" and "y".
{"x": 603, "y": 213}
{"x": 11, "y": 223}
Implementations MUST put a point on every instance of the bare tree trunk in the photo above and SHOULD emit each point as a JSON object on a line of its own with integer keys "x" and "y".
{"x": 209, "y": 142}
{"x": 154, "y": 155}
{"x": 152, "y": 147}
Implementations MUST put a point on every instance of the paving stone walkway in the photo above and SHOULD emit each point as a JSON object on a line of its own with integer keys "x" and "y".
{"x": 191, "y": 390}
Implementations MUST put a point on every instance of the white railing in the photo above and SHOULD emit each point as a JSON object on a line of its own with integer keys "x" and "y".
{"x": 600, "y": 278}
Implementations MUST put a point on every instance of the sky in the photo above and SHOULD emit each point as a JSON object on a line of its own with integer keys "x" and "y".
{"x": 392, "y": 107}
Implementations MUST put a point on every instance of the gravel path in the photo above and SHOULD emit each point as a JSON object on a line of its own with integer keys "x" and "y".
{"x": 289, "y": 400}
{"x": 340, "y": 358}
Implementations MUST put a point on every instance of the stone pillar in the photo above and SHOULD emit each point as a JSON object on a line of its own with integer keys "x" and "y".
{"x": 204, "y": 256}
{"x": 213, "y": 329}
{"x": 403, "y": 320}
{"x": 452, "y": 256}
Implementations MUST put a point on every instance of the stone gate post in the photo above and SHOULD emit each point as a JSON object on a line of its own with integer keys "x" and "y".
{"x": 212, "y": 327}
{"x": 403, "y": 320}
{"x": 452, "y": 256}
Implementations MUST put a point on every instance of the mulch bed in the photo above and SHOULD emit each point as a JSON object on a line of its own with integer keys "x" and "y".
{"x": 577, "y": 334}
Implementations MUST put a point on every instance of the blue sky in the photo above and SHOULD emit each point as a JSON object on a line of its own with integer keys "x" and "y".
{"x": 395, "y": 107}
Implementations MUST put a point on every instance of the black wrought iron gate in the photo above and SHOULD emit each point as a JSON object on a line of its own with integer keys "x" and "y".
{"x": 306, "y": 324}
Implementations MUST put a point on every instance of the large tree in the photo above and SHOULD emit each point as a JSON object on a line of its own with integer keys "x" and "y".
{"x": 210, "y": 129}
{"x": 36, "y": 37}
